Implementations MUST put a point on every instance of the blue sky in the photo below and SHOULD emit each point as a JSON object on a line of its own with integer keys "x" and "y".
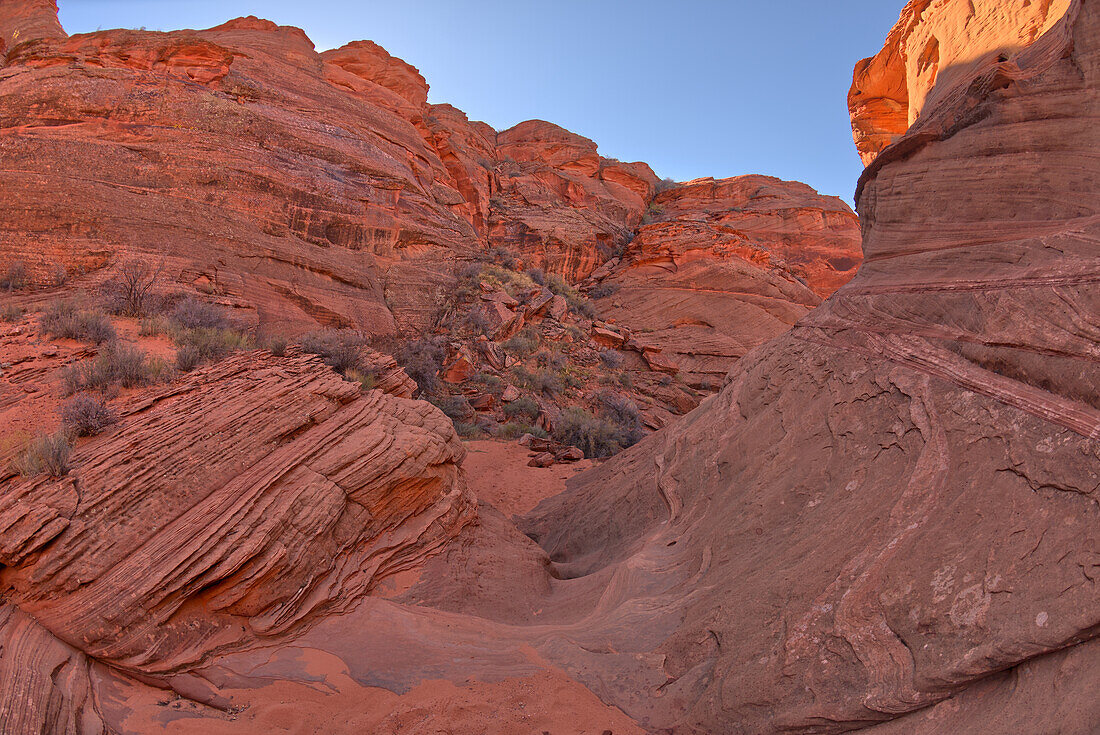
{"x": 692, "y": 87}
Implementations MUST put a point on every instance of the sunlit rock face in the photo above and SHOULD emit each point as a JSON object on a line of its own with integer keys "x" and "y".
{"x": 936, "y": 45}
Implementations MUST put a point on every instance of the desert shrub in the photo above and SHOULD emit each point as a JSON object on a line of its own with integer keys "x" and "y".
{"x": 131, "y": 291}
{"x": 478, "y": 321}
{"x": 195, "y": 314}
{"x": 626, "y": 380}
{"x": 207, "y": 344}
{"x": 617, "y": 427}
{"x": 276, "y": 345}
{"x": 581, "y": 307}
{"x": 523, "y": 343}
{"x": 623, "y": 414}
{"x": 603, "y": 290}
{"x": 501, "y": 256}
{"x": 516, "y": 429}
{"x": 523, "y": 407}
{"x": 341, "y": 349}
{"x": 467, "y": 430}
{"x": 612, "y": 359}
{"x": 541, "y": 381}
{"x": 157, "y": 326}
{"x": 366, "y": 379}
{"x": 538, "y": 275}
{"x": 422, "y": 360}
{"x": 470, "y": 272}
{"x": 11, "y": 313}
{"x": 492, "y": 383}
{"x": 86, "y": 415}
{"x": 57, "y": 275}
{"x": 46, "y": 454}
{"x": 66, "y": 320}
{"x": 666, "y": 184}
{"x": 592, "y": 435}
{"x": 557, "y": 284}
{"x": 455, "y": 407}
{"x": 188, "y": 358}
{"x": 14, "y": 277}
{"x": 117, "y": 364}
{"x": 652, "y": 213}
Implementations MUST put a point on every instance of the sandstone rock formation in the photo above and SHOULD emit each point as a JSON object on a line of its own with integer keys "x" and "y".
{"x": 236, "y": 507}
{"x": 349, "y": 198}
{"x": 723, "y": 266}
{"x": 560, "y": 205}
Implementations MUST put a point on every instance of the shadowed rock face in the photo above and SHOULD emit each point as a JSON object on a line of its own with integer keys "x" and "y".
{"x": 725, "y": 266}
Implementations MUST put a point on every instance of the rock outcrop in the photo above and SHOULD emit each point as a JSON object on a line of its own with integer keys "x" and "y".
{"x": 936, "y": 45}
{"x": 559, "y": 205}
{"x": 721, "y": 267}
{"x": 228, "y": 511}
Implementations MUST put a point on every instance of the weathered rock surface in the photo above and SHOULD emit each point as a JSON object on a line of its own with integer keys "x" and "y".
{"x": 725, "y": 266}
{"x": 233, "y": 155}
{"x": 228, "y": 511}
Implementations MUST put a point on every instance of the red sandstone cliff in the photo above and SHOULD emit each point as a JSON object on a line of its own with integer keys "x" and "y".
{"x": 309, "y": 189}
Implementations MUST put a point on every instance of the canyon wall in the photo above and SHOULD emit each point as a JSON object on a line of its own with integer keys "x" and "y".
{"x": 305, "y": 189}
